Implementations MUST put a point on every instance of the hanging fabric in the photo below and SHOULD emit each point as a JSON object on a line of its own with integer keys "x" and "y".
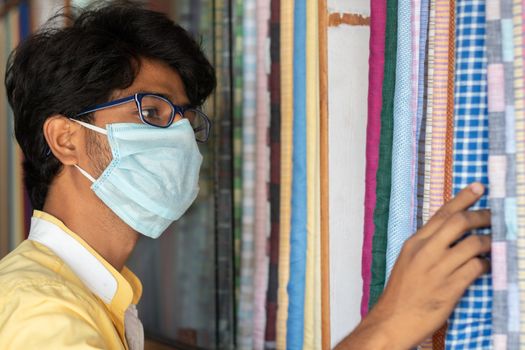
{"x": 383, "y": 177}
{"x": 296, "y": 284}
{"x": 246, "y": 292}
{"x": 262, "y": 170}
{"x": 287, "y": 119}
{"x": 403, "y": 152}
{"x": 519, "y": 127}
{"x": 502, "y": 176}
{"x": 470, "y": 323}
{"x": 237, "y": 48}
{"x": 312, "y": 315}
{"x": 375, "y": 94}
{"x": 275, "y": 174}
{"x": 421, "y": 110}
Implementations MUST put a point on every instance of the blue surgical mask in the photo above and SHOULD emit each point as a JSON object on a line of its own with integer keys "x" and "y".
{"x": 153, "y": 177}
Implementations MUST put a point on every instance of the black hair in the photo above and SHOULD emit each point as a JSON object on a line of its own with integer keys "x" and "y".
{"x": 62, "y": 70}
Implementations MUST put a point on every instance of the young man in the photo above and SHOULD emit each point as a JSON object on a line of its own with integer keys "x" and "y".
{"x": 105, "y": 113}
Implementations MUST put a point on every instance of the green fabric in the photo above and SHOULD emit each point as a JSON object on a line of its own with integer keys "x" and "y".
{"x": 385, "y": 158}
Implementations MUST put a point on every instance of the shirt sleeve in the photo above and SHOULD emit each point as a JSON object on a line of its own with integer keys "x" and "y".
{"x": 47, "y": 316}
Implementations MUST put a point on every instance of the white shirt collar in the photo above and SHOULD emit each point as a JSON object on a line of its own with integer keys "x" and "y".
{"x": 88, "y": 268}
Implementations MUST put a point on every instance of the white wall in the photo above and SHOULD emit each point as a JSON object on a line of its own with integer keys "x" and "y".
{"x": 348, "y": 89}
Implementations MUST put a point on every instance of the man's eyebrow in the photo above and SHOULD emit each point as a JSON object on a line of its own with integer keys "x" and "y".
{"x": 162, "y": 94}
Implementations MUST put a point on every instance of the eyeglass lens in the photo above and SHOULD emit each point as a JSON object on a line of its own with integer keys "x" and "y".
{"x": 199, "y": 123}
{"x": 157, "y": 111}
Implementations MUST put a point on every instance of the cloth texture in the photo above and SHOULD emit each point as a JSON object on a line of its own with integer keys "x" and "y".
{"x": 383, "y": 176}
{"x": 312, "y": 321}
{"x": 502, "y": 175}
{"x": 298, "y": 235}
{"x": 287, "y": 118}
{"x": 470, "y": 323}
{"x": 403, "y": 154}
{"x": 439, "y": 105}
{"x": 275, "y": 175}
{"x": 237, "y": 138}
{"x": 262, "y": 172}
{"x": 422, "y": 109}
{"x": 246, "y": 291}
{"x": 373, "y": 131}
{"x": 519, "y": 143}
{"x": 46, "y": 305}
{"x": 427, "y": 128}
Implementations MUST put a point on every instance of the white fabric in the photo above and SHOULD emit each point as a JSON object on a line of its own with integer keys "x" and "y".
{"x": 134, "y": 329}
{"x": 90, "y": 270}
{"x": 86, "y": 266}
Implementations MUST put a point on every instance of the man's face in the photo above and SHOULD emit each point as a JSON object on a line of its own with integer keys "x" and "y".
{"x": 155, "y": 77}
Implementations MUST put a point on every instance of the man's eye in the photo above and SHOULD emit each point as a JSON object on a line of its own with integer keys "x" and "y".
{"x": 150, "y": 113}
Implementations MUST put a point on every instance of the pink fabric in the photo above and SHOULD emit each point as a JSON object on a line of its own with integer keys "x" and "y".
{"x": 262, "y": 171}
{"x": 416, "y": 25}
{"x": 375, "y": 96}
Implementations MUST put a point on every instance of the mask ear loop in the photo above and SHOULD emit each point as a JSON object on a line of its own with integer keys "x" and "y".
{"x": 91, "y": 126}
{"x": 96, "y": 129}
{"x": 85, "y": 173}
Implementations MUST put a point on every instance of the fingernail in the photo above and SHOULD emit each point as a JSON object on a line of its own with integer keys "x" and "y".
{"x": 477, "y": 188}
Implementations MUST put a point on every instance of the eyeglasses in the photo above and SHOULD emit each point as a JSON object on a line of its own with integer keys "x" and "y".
{"x": 156, "y": 110}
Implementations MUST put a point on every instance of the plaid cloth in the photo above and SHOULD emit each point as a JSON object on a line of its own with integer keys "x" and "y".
{"x": 470, "y": 323}
{"x": 502, "y": 175}
{"x": 246, "y": 292}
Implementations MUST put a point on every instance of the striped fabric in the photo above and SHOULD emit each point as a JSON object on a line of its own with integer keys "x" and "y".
{"x": 420, "y": 107}
{"x": 439, "y": 104}
{"x": 425, "y": 211}
{"x": 470, "y": 323}
{"x": 502, "y": 178}
{"x": 418, "y": 33}
{"x": 286, "y": 53}
{"x": 246, "y": 292}
{"x": 421, "y": 110}
{"x": 519, "y": 127}
{"x": 375, "y": 93}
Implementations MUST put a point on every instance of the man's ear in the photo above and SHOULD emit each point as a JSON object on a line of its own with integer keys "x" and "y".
{"x": 62, "y": 138}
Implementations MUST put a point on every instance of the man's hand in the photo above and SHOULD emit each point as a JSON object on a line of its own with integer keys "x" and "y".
{"x": 428, "y": 279}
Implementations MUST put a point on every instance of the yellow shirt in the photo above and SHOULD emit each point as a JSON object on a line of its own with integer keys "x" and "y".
{"x": 56, "y": 292}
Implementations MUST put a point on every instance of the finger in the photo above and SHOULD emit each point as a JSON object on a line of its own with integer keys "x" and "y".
{"x": 463, "y": 200}
{"x": 463, "y": 277}
{"x": 455, "y": 226}
{"x": 465, "y": 250}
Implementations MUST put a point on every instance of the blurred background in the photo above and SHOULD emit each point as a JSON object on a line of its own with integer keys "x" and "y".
{"x": 188, "y": 299}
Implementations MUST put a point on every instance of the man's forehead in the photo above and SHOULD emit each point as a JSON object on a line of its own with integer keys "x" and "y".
{"x": 157, "y": 77}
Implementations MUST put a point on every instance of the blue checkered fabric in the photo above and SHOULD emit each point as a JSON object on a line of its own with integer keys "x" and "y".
{"x": 470, "y": 324}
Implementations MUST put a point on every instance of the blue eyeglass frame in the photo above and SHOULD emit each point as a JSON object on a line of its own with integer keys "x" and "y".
{"x": 138, "y": 100}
